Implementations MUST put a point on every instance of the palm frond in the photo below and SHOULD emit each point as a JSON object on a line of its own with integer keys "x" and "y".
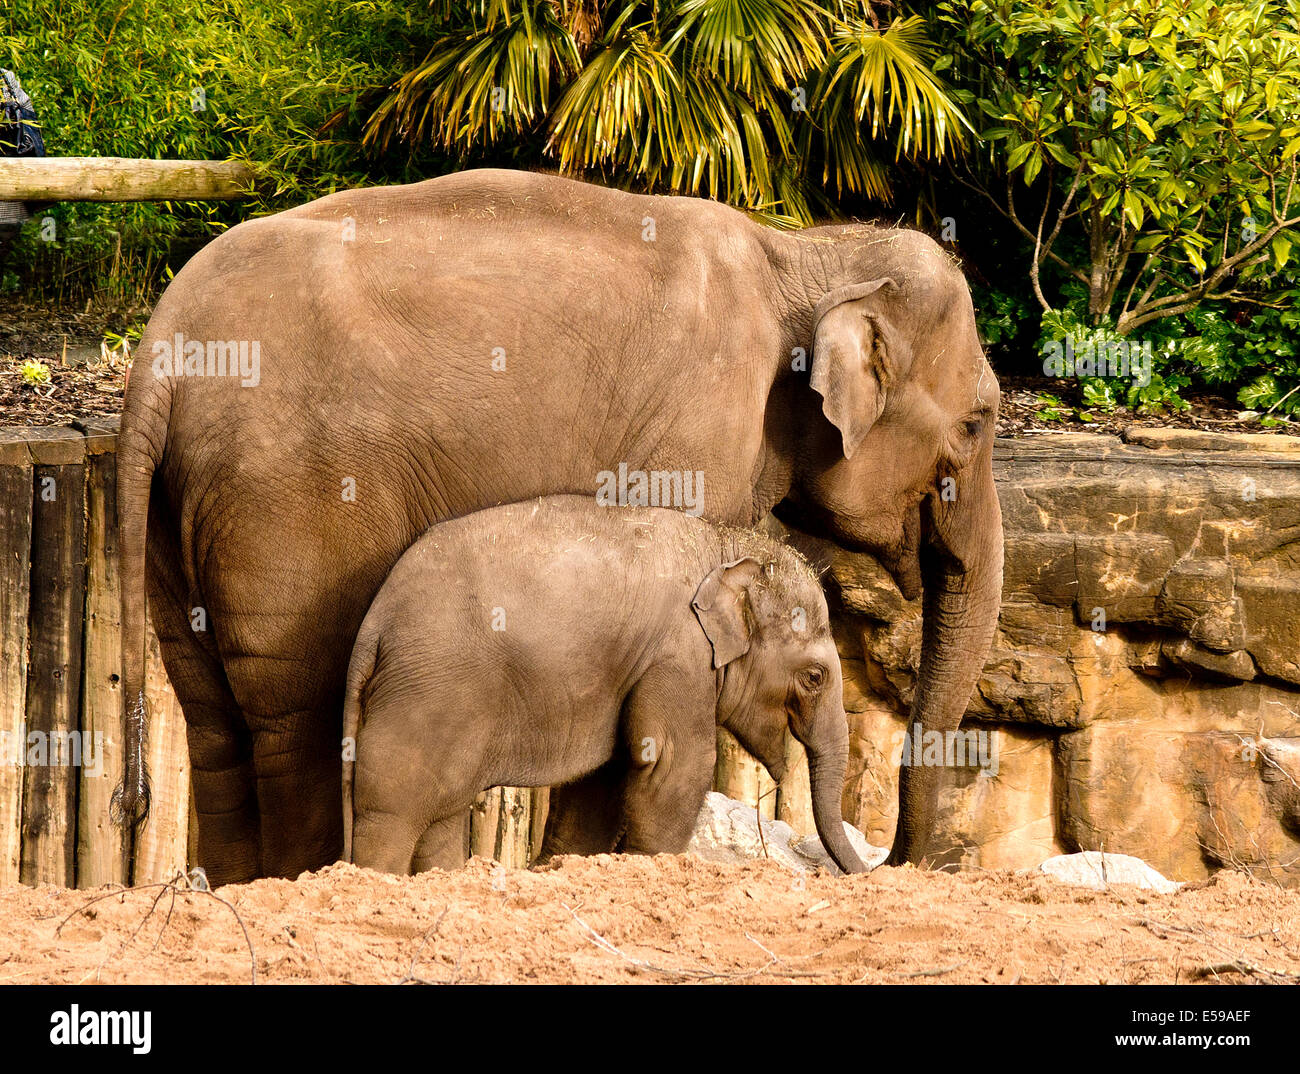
{"x": 887, "y": 76}
{"x": 608, "y": 113}
{"x": 848, "y": 160}
{"x": 757, "y": 46}
{"x": 689, "y": 132}
{"x": 473, "y": 88}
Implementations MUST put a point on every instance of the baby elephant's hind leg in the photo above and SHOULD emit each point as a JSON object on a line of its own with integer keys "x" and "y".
{"x": 585, "y": 816}
{"x": 384, "y": 842}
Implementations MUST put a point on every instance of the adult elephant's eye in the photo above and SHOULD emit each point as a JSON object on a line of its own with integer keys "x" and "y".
{"x": 811, "y": 679}
{"x": 963, "y": 437}
{"x": 972, "y": 425}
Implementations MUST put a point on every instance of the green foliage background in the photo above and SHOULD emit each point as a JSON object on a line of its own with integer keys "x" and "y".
{"x": 690, "y": 96}
{"x": 114, "y": 78}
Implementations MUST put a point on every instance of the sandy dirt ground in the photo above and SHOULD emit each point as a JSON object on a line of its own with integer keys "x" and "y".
{"x": 614, "y": 919}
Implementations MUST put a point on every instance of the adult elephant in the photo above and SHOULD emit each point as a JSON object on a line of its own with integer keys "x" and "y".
{"x": 430, "y": 350}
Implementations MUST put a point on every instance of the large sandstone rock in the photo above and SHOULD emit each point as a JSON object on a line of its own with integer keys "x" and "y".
{"x": 1144, "y": 683}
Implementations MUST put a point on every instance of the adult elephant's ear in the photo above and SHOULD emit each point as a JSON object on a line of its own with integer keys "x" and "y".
{"x": 721, "y": 604}
{"x": 851, "y": 366}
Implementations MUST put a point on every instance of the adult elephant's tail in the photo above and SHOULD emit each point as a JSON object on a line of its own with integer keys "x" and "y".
{"x": 140, "y": 446}
{"x": 360, "y": 668}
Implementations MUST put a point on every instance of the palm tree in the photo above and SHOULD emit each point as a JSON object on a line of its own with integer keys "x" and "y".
{"x": 776, "y": 106}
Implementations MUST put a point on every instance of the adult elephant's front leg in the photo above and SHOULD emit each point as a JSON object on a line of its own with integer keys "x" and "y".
{"x": 585, "y": 816}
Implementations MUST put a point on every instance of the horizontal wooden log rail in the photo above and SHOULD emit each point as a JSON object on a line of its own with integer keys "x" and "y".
{"x": 122, "y": 179}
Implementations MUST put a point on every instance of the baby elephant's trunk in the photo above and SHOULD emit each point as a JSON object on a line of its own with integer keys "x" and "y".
{"x": 828, "y": 758}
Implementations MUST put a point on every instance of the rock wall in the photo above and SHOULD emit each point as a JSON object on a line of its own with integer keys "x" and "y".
{"x": 1143, "y": 691}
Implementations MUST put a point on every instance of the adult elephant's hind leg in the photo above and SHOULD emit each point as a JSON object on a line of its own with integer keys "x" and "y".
{"x": 220, "y": 749}
{"x": 298, "y": 757}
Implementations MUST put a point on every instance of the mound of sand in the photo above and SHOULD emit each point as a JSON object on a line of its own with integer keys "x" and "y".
{"x": 615, "y": 919}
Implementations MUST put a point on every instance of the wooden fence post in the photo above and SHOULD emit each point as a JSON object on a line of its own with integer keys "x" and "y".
{"x": 794, "y": 797}
{"x": 99, "y": 841}
{"x": 501, "y": 826}
{"x": 484, "y": 820}
{"x": 54, "y": 668}
{"x": 162, "y": 841}
{"x": 513, "y": 843}
{"x": 541, "y": 808}
{"x": 738, "y": 775}
{"x": 15, "y": 590}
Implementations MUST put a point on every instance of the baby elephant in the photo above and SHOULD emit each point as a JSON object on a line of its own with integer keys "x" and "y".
{"x": 533, "y": 644}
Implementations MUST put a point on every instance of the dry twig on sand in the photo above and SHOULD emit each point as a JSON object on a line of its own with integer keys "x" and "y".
{"x": 178, "y": 885}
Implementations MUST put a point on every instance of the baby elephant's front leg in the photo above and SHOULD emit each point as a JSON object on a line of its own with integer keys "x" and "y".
{"x": 671, "y": 735}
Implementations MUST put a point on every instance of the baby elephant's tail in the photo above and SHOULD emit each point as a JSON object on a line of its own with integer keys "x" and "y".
{"x": 362, "y": 665}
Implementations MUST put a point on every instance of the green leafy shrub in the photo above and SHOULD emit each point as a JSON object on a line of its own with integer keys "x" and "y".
{"x": 1164, "y": 134}
{"x": 34, "y": 374}
{"x": 1005, "y": 321}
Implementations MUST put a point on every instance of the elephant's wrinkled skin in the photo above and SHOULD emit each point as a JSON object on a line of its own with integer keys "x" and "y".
{"x": 533, "y": 644}
{"x": 489, "y": 337}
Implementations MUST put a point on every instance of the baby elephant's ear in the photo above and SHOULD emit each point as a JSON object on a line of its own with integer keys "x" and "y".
{"x": 721, "y": 605}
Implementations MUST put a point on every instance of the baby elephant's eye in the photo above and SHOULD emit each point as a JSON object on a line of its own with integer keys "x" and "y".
{"x": 812, "y": 678}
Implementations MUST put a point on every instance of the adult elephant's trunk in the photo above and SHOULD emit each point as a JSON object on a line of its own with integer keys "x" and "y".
{"x": 962, "y": 578}
{"x": 828, "y": 758}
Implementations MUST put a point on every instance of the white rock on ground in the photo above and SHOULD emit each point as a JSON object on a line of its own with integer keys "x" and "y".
{"x": 1093, "y": 869}
{"x": 727, "y": 831}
